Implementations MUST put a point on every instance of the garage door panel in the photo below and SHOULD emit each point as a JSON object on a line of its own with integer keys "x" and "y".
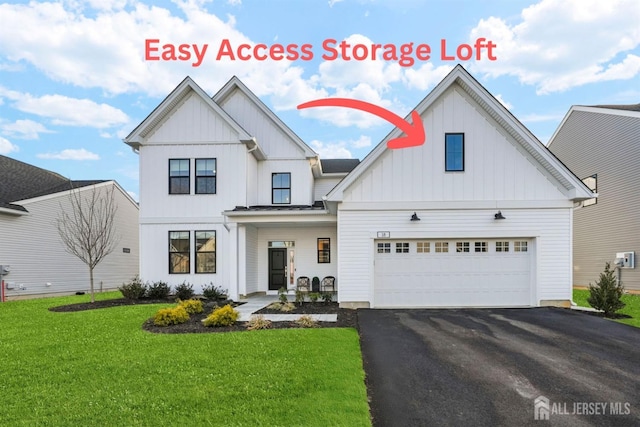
{"x": 453, "y": 279}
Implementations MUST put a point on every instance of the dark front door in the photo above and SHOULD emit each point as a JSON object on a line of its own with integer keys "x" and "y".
{"x": 277, "y": 268}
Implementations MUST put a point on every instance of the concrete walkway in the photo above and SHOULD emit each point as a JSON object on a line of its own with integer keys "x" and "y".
{"x": 255, "y": 303}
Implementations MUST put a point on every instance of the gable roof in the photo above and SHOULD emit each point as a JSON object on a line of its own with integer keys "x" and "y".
{"x": 576, "y": 189}
{"x": 22, "y": 181}
{"x": 186, "y": 87}
{"x": 235, "y": 83}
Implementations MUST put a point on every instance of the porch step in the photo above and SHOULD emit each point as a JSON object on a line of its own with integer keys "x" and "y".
{"x": 255, "y": 303}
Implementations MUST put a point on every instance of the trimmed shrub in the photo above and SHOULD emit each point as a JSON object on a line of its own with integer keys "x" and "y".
{"x": 258, "y": 321}
{"x": 135, "y": 289}
{"x": 306, "y": 321}
{"x": 184, "y": 291}
{"x": 158, "y": 290}
{"x": 192, "y": 306}
{"x": 224, "y": 316}
{"x": 170, "y": 316}
{"x": 606, "y": 294}
{"x": 213, "y": 292}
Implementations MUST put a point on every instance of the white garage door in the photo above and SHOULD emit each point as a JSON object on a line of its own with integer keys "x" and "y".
{"x": 453, "y": 273}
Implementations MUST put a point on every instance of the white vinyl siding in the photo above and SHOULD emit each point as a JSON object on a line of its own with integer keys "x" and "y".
{"x": 551, "y": 229}
{"x": 323, "y": 186}
{"x": 32, "y": 247}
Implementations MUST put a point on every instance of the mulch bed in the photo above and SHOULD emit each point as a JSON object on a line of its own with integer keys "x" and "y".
{"x": 347, "y": 318}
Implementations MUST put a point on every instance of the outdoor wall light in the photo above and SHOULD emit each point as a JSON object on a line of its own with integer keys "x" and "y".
{"x": 414, "y": 217}
{"x": 499, "y": 216}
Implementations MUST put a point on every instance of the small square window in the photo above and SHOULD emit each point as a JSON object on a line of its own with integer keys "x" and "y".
{"x": 442, "y": 247}
{"x": 402, "y": 248}
{"x": 481, "y": 246}
{"x": 462, "y": 246}
{"x": 520, "y": 246}
{"x": 502, "y": 246}
{"x": 384, "y": 248}
{"x": 423, "y": 247}
{"x": 454, "y": 152}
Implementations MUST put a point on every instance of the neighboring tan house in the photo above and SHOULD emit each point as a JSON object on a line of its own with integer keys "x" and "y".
{"x": 31, "y": 199}
{"x": 480, "y": 215}
{"x": 601, "y": 144}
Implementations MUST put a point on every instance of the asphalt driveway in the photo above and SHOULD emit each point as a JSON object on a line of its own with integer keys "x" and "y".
{"x": 486, "y": 367}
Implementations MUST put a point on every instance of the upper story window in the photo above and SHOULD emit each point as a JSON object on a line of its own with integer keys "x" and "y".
{"x": 454, "y": 152}
{"x": 281, "y": 188}
{"x": 592, "y": 183}
{"x": 205, "y": 176}
{"x": 179, "y": 176}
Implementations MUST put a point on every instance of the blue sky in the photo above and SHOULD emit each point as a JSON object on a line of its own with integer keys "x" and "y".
{"x": 74, "y": 80}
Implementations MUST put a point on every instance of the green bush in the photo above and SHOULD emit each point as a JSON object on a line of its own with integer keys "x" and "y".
{"x": 282, "y": 295}
{"x": 258, "y": 321}
{"x": 184, "y": 291}
{"x": 327, "y": 297}
{"x": 158, "y": 290}
{"x": 213, "y": 292}
{"x": 299, "y": 297}
{"x": 606, "y": 294}
{"x": 134, "y": 290}
{"x": 170, "y": 316}
{"x": 313, "y": 296}
{"x": 192, "y": 306}
{"x": 223, "y": 316}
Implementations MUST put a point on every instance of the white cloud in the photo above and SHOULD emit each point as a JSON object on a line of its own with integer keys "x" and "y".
{"x": 63, "y": 110}
{"x": 560, "y": 44}
{"x": 332, "y": 2}
{"x": 134, "y": 195}
{"x": 24, "y": 129}
{"x": 362, "y": 142}
{"x": 331, "y": 150}
{"x": 506, "y": 104}
{"x": 70, "y": 154}
{"x": 6, "y": 146}
{"x": 234, "y": 2}
{"x": 426, "y": 76}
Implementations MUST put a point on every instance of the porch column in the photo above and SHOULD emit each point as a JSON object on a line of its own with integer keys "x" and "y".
{"x": 233, "y": 261}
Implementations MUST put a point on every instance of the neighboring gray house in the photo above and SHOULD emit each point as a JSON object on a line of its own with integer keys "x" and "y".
{"x": 30, "y": 201}
{"x": 601, "y": 144}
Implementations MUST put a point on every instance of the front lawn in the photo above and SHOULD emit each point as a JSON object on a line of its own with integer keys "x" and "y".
{"x": 98, "y": 367}
{"x": 632, "y": 307}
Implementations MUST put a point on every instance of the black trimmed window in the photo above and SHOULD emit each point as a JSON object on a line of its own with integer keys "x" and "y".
{"x": 206, "y": 176}
{"x": 454, "y": 152}
{"x": 592, "y": 183}
{"x": 179, "y": 252}
{"x": 179, "y": 176}
{"x": 402, "y": 248}
{"x": 205, "y": 251}
{"x": 324, "y": 250}
{"x": 281, "y": 188}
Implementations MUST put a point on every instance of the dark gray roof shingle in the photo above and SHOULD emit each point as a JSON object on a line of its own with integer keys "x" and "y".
{"x": 628, "y": 107}
{"x": 338, "y": 165}
{"x": 21, "y": 181}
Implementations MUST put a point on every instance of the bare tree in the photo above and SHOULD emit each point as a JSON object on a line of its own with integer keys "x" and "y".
{"x": 88, "y": 228}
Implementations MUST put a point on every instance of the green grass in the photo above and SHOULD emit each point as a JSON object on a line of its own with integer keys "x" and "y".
{"x": 632, "y": 307}
{"x": 99, "y": 367}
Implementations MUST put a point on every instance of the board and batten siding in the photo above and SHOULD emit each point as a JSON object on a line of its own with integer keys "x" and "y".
{"x": 192, "y": 120}
{"x": 549, "y": 228}
{"x": 301, "y": 180}
{"x": 32, "y": 247}
{"x": 306, "y": 252}
{"x": 495, "y": 166}
{"x": 231, "y": 181}
{"x": 606, "y": 143}
{"x": 274, "y": 142}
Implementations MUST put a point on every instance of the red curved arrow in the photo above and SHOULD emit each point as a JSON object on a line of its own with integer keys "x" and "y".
{"x": 414, "y": 132}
